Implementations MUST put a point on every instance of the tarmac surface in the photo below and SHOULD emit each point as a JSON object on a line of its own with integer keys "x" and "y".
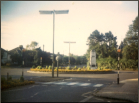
{"x": 126, "y": 90}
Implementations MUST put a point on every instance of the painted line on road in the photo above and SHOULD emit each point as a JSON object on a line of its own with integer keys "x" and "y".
{"x": 73, "y": 83}
{"x": 35, "y": 94}
{"x": 98, "y": 85}
{"x": 86, "y": 99}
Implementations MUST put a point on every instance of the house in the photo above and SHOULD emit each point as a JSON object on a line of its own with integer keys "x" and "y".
{"x": 6, "y": 57}
{"x": 7, "y": 54}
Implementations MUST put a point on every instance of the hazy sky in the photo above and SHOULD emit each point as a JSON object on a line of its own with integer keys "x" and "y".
{"x": 21, "y": 23}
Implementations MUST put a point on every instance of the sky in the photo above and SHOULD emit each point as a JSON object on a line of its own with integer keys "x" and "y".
{"x": 21, "y": 23}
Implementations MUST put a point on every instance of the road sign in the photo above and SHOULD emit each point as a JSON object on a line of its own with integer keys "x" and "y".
{"x": 51, "y": 57}
{"x": 119, "y": 50}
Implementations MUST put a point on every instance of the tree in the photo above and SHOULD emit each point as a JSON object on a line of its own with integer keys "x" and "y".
{"x": 130, "y": 43}
{"x": 32, "y": 46}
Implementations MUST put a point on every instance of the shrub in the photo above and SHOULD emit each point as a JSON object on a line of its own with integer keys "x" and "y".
{"x": 88, "y": 68}
{"x": 68, "y": 68}
{"x": 106, "y": 67}
{"x": 9, "y": 78}
{"x": 75, "y": 67}
{"x": 50, "y": 67}
{"x": 39, "y": 67}
{"x": 8, "y": 64}
{"x": 3, "y": 80}
{"x": 33, "y": 66}
{"x": 55, "y": 68}
{"x": 84, "y": 67}
{"x": 46, "y": 67}
{"x": 21, "y": 79}
{"x": 79, "y": 68}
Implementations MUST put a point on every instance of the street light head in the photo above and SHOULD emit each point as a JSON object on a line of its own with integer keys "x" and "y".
{"x": 46, "y": 12}
{"x": 61, "y": 11}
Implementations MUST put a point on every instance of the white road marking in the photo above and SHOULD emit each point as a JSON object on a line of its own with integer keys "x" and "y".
{"x": 48, "y": 83}
{"x": 72, "y": 83}
{"x": 31, "y": 87}
{"x": 98, "y": 85}
{"x": 35, "y": 94}
{"x": 85, "y": 84}
{"x": 61, "y": 83}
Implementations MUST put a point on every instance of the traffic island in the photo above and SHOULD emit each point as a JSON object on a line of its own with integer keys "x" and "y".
{"x": 72, "y": 71}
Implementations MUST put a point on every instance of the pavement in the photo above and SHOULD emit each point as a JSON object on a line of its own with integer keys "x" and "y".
{"x": 126, "y": 90}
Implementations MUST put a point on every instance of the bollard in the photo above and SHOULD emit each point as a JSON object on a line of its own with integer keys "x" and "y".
{"x": 118, "y": 78}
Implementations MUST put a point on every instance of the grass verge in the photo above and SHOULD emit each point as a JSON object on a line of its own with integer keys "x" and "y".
{"x": 5, "y": 84}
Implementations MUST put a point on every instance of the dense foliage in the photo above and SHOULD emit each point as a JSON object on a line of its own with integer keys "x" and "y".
{"x": 106, "y": 47}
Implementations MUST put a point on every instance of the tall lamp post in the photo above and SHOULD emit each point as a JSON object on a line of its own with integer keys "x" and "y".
{"x": 54, "y": 12}
{"x": 69, "y": 50}
{"x": 119, "y": 50}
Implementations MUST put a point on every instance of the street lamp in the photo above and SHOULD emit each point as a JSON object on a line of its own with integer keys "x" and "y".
{"x": 69, "y": 51}
{"x": 54, "y": 12}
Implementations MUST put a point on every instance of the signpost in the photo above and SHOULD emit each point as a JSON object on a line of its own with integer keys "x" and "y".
{"x": 69, "y": 49}
{"x": 41, "y": 61}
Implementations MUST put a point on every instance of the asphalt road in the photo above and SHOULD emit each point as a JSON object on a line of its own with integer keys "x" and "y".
{"x": 77, "y": 88}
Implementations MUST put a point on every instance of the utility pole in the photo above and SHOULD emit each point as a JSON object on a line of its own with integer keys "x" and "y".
{"x": 69, "y": 50}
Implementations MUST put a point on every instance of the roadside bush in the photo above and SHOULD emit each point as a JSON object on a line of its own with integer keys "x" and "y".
{"x": 21, "y": 79}
{"x": 33, "y": 66}
{"x": 55, "y": 68}
{"x": 100, "y": 68}
{"x": 79, "y": 68}
{"x": 75, "y": 67}
{"x": 3, "y": 80}
{"x": 46, "y": 67}
{"x": 39, "y": 67}
{"x": 8, "y": 64}
{"x": 9, "y": 78}
{"x": 50, "y": 67}
{"x": 88, "y": 68}
{"x": 106, "y": 67}
{"x": 68, "y": 68}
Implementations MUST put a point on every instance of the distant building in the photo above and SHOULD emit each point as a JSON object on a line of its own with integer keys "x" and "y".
{"x": 6, "y": 56}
